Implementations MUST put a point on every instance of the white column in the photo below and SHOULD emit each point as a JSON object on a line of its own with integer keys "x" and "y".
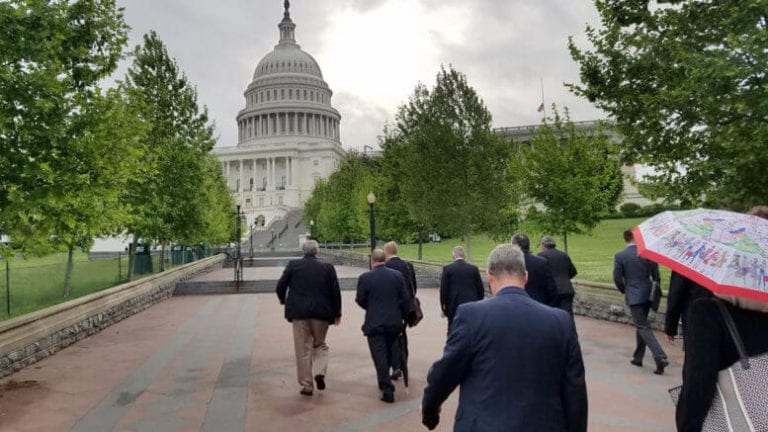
{"x": 242, "y": 177}
{"x": 289, "y": 174}
{"x": 274, "y": 168}
{"x": 293, "y": 172}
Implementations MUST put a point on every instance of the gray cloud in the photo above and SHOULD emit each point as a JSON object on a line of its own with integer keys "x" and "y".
{"x": 507, "y": 48}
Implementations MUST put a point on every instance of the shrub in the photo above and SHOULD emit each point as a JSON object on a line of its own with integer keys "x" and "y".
{"x": 630, "y": 210}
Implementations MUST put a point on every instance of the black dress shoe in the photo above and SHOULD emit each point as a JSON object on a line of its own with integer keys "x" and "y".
{"x": 636, "y": 363}
{"x": 396, "y": 374}
{"x": 388, "y": 397}
{"x": 306, "y": 392}
{"x": 660, "y": 365}
{"x": 320, "y": 382}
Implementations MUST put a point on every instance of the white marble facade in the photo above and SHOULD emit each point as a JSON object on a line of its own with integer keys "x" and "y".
{"x": 288, "y": 132}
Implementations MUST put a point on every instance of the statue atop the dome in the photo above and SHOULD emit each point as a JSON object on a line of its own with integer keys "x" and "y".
{"x": 287, "y": 5}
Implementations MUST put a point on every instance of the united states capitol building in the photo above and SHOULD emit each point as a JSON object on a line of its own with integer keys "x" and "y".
{"x": 288, "y": 133}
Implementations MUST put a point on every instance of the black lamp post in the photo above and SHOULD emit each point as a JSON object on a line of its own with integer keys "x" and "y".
{"x": 253, "y": 225}
{"x": 371, "y": 201}
{"x": 238, "y": 256}
{"x": 273, "y": 240}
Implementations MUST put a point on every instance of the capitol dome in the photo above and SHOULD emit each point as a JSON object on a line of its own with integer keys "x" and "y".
{"x": 287, "y": 133}
{"x": 287, "y": 58}
{"x": 288, "y": 95}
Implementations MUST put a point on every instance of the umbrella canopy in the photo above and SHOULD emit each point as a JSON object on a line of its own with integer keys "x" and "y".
{"x": 723, "y": 251}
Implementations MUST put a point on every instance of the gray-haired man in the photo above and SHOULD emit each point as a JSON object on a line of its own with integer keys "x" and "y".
{"x": 309, "y": 289}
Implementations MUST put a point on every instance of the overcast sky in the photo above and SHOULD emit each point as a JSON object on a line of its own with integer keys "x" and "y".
{"x": 373, "y": 52}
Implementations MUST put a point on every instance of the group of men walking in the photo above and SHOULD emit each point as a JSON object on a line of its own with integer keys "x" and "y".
{"x": 515, "y": 355}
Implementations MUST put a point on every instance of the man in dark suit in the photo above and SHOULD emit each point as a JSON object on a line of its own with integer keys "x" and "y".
{"x": 382, "y": 293}
{"x": 634, "y": 276}
{"x": 563, "y": 271}
{"x": 309, "y": 289}
{"x": 518, "y": 362}
{"x": 541, "y": 285}
{"x": 409, "y": 274}
{"x": 460, "y": 283}
{"x": 681, "y": 294}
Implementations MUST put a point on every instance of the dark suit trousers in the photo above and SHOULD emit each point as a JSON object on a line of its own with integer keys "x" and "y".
{"x": 565, "y": 302}
{"x": 383, "y": 351}
{"x": 397, "y": 352}
{"x": 644, "y": 335}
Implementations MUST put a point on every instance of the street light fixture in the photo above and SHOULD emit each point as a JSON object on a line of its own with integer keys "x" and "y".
{"x": 311, "y": 228}
{"x": 371, "y": 201}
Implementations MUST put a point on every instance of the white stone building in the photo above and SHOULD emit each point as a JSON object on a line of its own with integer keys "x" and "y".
{"x": 288, "y": 132}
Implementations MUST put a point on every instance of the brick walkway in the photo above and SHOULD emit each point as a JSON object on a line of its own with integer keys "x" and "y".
{"x": 225, "y": 363}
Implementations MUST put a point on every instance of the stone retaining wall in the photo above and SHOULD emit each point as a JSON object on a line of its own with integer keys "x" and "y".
{"x": 593, "y": 299}
{"x": 29, "y": 338}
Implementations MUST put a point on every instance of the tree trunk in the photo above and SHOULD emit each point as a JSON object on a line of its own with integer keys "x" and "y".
{"x": 421, "y": 245}
{"x": 70, "y": 264}
{"x": 132, "y": 256}
{"x": 468, "y": 235}
{"x": 565, "y": 242}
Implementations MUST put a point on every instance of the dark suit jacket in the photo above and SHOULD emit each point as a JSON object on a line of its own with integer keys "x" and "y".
{"x": 541, "y": 285}
{"x": 519, "y": 366}
{"x": 460, "y": 283}
{"x": 309, "y": 289}
{"x": 709, "y": 349}
{"x": 406, "y": 269}
{"x": 382, "y": 293}
{"x": 562, "y": 268}
{"x": 682, "y": 292}
{"x": 632, "y": 275}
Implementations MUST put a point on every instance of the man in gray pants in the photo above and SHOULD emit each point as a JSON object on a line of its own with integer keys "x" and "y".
{"x": 633, "y": 276}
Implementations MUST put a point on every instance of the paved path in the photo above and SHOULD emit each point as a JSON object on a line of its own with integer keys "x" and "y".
{"x": 225, "y": 363}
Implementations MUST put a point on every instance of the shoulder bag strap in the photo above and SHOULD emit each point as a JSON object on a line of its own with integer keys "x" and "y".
{"x": 734, "y": 334}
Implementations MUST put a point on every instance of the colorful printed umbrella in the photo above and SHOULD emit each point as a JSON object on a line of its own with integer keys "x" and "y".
{"x": 723, "y": 251}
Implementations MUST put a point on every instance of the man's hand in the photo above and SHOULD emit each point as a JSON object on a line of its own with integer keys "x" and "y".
{"x": 430, "y": 419}
{"x": 671, "y": 339}
{"x": 337, "y": 321}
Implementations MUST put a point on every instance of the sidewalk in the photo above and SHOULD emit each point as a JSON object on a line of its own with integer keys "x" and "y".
{"x": 225, "y": 363}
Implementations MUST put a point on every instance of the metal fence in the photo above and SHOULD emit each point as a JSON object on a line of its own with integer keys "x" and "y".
{"x": 30, "y": 284}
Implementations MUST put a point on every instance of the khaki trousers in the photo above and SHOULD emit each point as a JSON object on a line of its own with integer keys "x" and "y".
{"x": 311, "y": 350}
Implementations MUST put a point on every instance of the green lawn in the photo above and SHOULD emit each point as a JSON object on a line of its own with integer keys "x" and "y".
{"x": 37, "y": 283}
{"x": 591, "y": 254}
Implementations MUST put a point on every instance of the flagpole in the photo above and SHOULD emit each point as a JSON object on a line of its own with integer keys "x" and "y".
{"x": 542, "y": 99}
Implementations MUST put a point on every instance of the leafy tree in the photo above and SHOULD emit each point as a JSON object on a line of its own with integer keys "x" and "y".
{"x": 338, "y": 205}
{"x": 452, "y": 170}
{"x": 55, "y": 148}
{"x": 170, "y": 202}
{"x": 573, "y": 174}
{"x": 88, "y": 180}
{"x": 393, "y": 220}
{"x": 685, "y": 82}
